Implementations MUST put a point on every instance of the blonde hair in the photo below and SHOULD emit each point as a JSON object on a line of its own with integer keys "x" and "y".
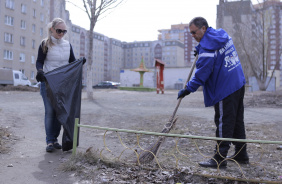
{"x": 47, "y": 42}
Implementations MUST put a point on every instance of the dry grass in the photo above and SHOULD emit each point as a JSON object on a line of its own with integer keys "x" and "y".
{"x": 18, "y": 88}
{"x": 4, "y": 138}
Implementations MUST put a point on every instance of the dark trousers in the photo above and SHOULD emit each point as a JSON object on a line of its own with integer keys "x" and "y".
{"x": 229, "y": 120}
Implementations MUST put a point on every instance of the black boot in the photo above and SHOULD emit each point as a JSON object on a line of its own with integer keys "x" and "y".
{"x": 240, "y": 155}
{"x": 214, "y": 162}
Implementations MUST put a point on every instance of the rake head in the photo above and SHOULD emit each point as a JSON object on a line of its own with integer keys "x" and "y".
{"x": 148, "y": 154}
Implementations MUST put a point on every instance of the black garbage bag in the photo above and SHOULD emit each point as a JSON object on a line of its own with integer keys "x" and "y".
{"x": 63, "y": 88}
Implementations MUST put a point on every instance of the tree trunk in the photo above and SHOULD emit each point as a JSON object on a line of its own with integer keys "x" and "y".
{"x": 89, "y": 88}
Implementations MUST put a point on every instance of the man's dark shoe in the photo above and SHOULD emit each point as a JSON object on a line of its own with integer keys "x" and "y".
{"x": 241, "y": 158}
{"x": 213, "y": 164}
{"x": 50, "y": 148}
{"x": 57, "y": 146}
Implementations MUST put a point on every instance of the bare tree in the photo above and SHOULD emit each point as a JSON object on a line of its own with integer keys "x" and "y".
{"x": 94, "y": 9}
{"x": 257, "y": 51}
{"x": 250, "y": 31}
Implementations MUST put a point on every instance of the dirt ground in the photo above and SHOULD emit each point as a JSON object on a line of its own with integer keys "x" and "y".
{"x": 24, "y": 159}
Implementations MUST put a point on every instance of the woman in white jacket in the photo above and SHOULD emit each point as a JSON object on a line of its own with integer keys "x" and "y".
{"x": 53, "y": 52}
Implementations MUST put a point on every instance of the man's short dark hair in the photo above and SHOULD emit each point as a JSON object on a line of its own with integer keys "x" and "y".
{"x": 199, "y": 22}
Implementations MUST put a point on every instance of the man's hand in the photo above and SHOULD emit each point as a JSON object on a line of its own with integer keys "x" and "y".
{"x": 182, "y": 93}
{"x": 40, "y": 76}
{"x": 195, "y": 53}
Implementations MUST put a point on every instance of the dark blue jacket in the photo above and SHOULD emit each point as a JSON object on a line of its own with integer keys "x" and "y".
{"x": 218, "y": 68}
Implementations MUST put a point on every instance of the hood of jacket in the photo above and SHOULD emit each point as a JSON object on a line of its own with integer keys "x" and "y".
{"x": 214, "y": 39}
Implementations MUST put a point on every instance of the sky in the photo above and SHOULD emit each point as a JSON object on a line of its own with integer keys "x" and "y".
{"x": 140, "y": 20}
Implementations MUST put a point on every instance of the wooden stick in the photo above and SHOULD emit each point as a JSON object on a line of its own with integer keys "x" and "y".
{"x": 188, "y": 79}
{"x": 147, "y": 156}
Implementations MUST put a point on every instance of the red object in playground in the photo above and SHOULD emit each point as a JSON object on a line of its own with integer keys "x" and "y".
{"x": 160, "y": 75}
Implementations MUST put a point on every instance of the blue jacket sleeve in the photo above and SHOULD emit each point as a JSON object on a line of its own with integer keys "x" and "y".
{"x": 204, "y": 68}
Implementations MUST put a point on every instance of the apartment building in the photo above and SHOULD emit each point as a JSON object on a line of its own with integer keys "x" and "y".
{"x": 22, "y": 29}
{"x": 134, "y": 51}
{"x": 181, "y": 32}
{"x": 172, "y": 53}
{"x": 113, "y": 59}
{"x": 270, "y": 13}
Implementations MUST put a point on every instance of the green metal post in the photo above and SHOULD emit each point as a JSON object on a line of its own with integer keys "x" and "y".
{"x": 141, "y": 78}
{"x": 75, "y": 136}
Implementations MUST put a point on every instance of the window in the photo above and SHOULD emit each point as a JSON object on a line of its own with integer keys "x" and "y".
{"x": 22, "y": 70}
{"x": 41, "y": 17}
{"x": 41, "y": 31}
{"x": 32, "y": 59}
{"x": 22, "y": 57}
{"x": 32, "y": 75}
{"x": 22, "y": 41}
{"x": 10, "y": 4}
{"x": 34, "y": 13}
{"x": 17, "y": 76}
{"x": 8, "y": 38}
{"x": 33, "y": 28}
{"x": 8, "y": 55}
{"x": 23, "y": 24}
{"x": 9, "y": 20}
{"x": 23, "y": 8}
{"x": 33, "y": 44}
{"x": 273, "y": 57}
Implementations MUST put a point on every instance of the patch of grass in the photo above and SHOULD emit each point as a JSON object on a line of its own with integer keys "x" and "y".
{"x": 18, "y": 88}
{"x": 137, "y": 89}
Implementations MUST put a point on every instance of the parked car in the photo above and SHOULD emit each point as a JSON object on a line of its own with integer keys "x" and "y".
{"x": 107, "y": 84}
{"x": 13, "y": 77}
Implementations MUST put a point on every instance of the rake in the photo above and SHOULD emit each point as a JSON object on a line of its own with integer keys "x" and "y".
{"x": 148, "y": 154}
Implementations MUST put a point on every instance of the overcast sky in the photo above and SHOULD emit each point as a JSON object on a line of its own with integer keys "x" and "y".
{"x": 140, "y": 20}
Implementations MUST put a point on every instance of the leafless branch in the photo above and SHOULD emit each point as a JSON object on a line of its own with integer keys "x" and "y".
{"x": 75, "y": 5}
{"x": 108, "y": 6}
{"x": 86, "y": 9}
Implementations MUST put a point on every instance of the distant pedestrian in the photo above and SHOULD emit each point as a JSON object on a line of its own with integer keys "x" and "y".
{"x": 53, "y": 52}
{"x": 219, "y": 71}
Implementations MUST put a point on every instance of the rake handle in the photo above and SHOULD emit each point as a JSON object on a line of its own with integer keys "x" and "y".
{"x": 188, "y": 79}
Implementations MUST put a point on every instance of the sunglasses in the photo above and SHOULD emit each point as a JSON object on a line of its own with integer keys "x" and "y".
{"x": 194, "y": 32}
{"x": 59, "y": 31}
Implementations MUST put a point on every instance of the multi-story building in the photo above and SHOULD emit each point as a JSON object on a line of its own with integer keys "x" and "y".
{"x": 269, "y": 14}
{"x": 113, "y": 59}
{"x": 174, "y": 33}
{"x": 256, "y": 32}
{"x": 181, "y": 32}
{"x": 173, "y": 53}
{"x": 22, "y": 29}
{"x": 169, "y": 51}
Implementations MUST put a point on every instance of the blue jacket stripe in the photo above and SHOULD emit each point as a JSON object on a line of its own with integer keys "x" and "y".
{"x": 206, "y": 55}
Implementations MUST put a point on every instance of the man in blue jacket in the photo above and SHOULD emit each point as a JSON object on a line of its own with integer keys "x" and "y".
{"x": 219, "y": 71}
